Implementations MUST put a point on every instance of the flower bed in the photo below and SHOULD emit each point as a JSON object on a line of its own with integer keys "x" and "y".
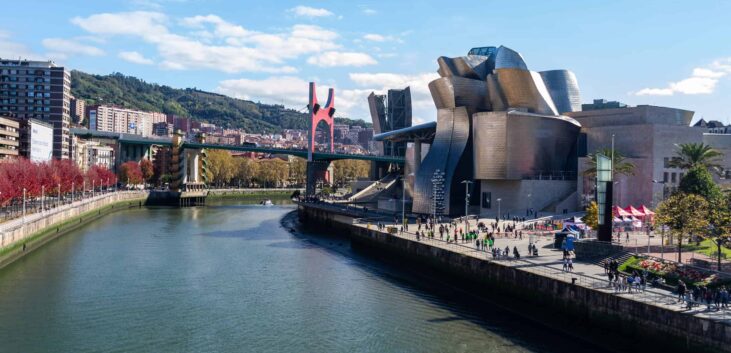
{"x": 671, "y": 272}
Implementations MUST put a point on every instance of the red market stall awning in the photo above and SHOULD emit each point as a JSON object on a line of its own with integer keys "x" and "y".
{"x": 619, "y": 212}
{"x": 646, "y": 211}
{"x": 634, "y": 212}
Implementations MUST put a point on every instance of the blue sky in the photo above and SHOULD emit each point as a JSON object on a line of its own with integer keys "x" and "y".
{"x": 668, "y": 53}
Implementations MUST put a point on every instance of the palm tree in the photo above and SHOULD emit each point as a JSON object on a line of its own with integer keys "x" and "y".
{"x": 620, "y": 165}
{"x": 692, "y": 154}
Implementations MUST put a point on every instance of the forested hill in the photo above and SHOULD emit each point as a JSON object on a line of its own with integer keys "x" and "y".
{"x": 131, "y": 92}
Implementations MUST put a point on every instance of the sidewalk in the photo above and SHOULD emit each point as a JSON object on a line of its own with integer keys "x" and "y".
{"x": 549, "y": 263}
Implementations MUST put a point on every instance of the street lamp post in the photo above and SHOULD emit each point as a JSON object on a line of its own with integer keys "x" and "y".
{"x": 58, "y": 202}
{"x": 662, "y": 226}
{"x": 498, "y": 209}
{"x": 403, "y": 202}
{"x": 466, "y": 203}
{"x": 529, "y": 195}
{"x": 43, "y": 191}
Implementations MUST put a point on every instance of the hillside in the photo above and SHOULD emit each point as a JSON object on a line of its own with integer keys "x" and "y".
{"x": 131, "y": 92}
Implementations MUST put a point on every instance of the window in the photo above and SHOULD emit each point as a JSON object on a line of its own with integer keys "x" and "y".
{"x": 487, "y": 200}
{"x": 665, "y": 177}
{"x": 673, "y": 177}
{"x": 666, "y": 162}
{"x": 680, "y": 177}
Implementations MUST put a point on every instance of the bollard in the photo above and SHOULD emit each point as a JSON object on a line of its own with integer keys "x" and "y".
{"x": 573, "y": 281}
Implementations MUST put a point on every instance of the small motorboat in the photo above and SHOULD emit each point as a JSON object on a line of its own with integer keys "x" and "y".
{"x": 266, "y": 202}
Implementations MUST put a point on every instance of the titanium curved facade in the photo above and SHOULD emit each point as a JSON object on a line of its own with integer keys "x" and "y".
{"x": 498, "y": 122}
{"x": 515, "y": 145}
{"x": 450, "y": 153}
{"x": 453, "y": 92}
{"x": 564, "y": 90}
{"x": 475, "y": 67}
{"x": 507, "y": 58}
{"x": 525, "y": 89}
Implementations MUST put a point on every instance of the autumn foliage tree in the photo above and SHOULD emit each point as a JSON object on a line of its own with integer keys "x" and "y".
{"x": 54, "y": 177}
{"x": 130, "y": 173}
{"x": 147, "y": 170}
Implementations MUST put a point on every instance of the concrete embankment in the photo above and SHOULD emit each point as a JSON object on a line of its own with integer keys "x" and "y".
{"x": 21, "y": 236}
{"x": 252, "y": 193}
{"x": 577, "y": 309}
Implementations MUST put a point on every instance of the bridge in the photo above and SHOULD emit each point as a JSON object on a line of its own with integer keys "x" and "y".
{"x": 130, "y": 144}
{"x": 188, "y": 161}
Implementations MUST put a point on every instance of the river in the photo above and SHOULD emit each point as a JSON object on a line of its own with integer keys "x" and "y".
{"x": 229, "y": 277}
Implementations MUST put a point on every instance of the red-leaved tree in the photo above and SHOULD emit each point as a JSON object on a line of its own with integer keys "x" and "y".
{"x": 130, "y": 173}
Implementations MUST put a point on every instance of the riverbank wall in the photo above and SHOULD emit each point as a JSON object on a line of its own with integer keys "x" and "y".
{"x": 21, "y": 236}
{"x": 253, "y": 192}
{"x": 578, "y": 309}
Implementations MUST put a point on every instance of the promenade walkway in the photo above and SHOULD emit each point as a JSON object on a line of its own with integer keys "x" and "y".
{"x": 549, "y": 263}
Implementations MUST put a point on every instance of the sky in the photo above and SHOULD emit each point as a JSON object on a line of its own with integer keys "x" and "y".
{"x": 667, "y": 53}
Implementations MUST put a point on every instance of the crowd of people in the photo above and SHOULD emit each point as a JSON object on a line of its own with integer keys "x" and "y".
{"x": 714, "y": 298}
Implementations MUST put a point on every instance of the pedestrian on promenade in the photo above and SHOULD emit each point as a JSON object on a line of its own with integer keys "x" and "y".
{"x": 571, "y": 265}
{"x": 565, "y": 264}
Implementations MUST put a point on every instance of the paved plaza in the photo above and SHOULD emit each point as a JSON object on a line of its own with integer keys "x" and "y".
{"x": 549, "y": 262}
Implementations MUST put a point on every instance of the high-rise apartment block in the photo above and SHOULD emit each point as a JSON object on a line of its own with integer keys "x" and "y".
{"x": 115, "y": 119}
{"x": 78, "y": 109}
{"x": 9, "y": 138}
{"x": 38, "y": 90}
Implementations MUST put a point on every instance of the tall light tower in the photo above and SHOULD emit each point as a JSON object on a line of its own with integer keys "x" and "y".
{"x": 466, "y": 202}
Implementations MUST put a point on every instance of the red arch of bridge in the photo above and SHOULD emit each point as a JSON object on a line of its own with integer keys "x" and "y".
{"x": 318, "y": 114}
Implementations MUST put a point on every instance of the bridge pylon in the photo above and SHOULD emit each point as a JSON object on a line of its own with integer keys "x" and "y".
{"x": 319, "y": 170}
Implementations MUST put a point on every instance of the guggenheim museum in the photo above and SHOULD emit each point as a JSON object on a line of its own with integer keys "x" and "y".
{"x": 513, "y": 140}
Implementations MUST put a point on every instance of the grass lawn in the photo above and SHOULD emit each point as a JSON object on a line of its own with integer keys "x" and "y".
{"x": 708, "y": 247}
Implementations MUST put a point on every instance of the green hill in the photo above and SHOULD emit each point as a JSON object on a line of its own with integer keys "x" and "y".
{"x": 131, "y": 92}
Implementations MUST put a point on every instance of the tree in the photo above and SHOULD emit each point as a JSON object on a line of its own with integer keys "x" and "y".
{"x": 147, "y": 169}
{"x": 130, "y": 173}
{"x": 298, "y": 170}
{"x": 221, "y": 167}
{"x": 592, "y": 215}
{"x": 273, "y": 172}
{"x": 246, "y": 170}
{"x": 719, "y": 219}
{"x": 350, "y": 169}
{"x": 692, "y": 154}
{"x": 620, "y": 166}
{"x": 683, "y": 214}
{"x": 698, "y": 181}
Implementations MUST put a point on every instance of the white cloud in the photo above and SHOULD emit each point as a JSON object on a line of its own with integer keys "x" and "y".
{"x": 703, "y": 80}
{"x": 335, "y": 58}
{"x": 64, "y": 47}
{"x": 374, "y": 37}
{"x": 350, "y": 102}
{"x": 290, "y": 90}
{"x": 216, "y": 44}
{"x": 135, "y": 57}
{"x": 369, "y": 11}
{"x": 354, "y": 100}
{"x": 13, "y": 50}
{"x": 306, "y": 11}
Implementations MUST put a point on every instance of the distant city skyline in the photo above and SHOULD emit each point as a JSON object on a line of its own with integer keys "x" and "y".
{"x": 652, "y": 52}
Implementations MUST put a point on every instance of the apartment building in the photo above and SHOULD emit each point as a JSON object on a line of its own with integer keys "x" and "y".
{"x": 116, "y": 119}
{"x": 38, "y": 90}
{"x": 9, "y": 138}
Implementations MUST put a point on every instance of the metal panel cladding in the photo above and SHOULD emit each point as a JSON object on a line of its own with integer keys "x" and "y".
{"x": 564, "y": 90}
{"x": 378, "y": 116}
{"x": 452, "y": 92}
{"x": 516, "y": 145}
{"x": 507, "y": 58}
{"x": 448, "y": 153}
{"x": 524, "y": 89}
{"x": 473, "y": 66}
